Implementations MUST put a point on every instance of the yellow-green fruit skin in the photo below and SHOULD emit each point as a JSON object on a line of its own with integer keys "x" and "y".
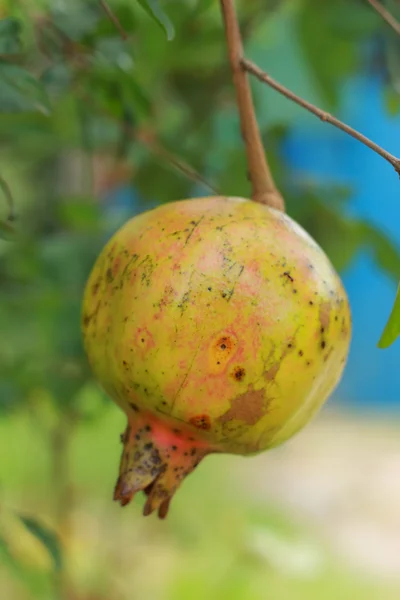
{"x": 219, "y": 313}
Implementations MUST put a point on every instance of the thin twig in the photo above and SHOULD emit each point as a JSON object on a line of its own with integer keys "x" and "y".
{"x": 263, "y": 186}
{"x": 324, "y": 116}
{"x": 113, "y": 17}
{"x": 386, "y": 15}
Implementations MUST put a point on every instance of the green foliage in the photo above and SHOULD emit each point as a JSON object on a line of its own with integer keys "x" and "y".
{"x": 31, "y": 551}
{"x": 10, "y": 31}
{"x": 392, "y": 329}
{"x": 153, "y": 8}
{"x": 47, "y": 537}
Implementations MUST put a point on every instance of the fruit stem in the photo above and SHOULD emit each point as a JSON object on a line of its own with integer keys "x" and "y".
{"x": 264, "y": 189}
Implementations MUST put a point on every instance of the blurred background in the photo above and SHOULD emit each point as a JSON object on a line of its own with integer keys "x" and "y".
{"x": 95, "y": 129}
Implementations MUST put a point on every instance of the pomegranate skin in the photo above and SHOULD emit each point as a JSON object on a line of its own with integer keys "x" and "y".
{"x": 218, "y": 318}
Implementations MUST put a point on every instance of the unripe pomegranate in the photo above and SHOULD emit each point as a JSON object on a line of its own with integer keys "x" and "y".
{"x": 217, "y": 325}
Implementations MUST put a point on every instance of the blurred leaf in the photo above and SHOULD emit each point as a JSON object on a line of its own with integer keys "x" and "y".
{"x": 57, "y": 78}
{"x": 80, "y": 214}
{"x": 153, "y": 8}
{"x": 25, "y": 556}
{"x": 20, "y": 91}
{"x": 202, "y": 6}
{"x": 76, "y": 19}
{"x": 10, "y": 31}
{"x": 392, "y": 328}
{"x": 6, "y": 190}
{"x": 111, "y": 51}
{"x": 48, "y": 538}
{"x": 329, "y": 54}
{"x": 392, "y": 100}
{"x": 7, "y": 231}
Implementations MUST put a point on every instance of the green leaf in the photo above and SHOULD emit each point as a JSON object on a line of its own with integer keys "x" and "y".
{"x": 153, "y": 8}
{"x": 48, "y": 538}
{"x": 202, "y": 6}
{"x": 20, "y": 91}
{"x": 392, "y": 328}
{"x": 76, "y": 19}
{"x": 10, "y": 31}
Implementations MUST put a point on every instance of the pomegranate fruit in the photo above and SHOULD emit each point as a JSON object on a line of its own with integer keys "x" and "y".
{"x": 218, "y": 325}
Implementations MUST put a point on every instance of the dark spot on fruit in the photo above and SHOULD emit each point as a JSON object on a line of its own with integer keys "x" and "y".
{"x": 109, "y": 275}
{"x": 323, "y": 344}
{"x": 218, "y": 363}
{"x": 164, "y": 403}
{"x": 322, "y": 329}
{"x": 223, "y": 294}
{"x": 134, "y": 407}
{"x": 185, "y": 454}
{"x": 311, "y": 303}
{"x": 288, "y": 276}
{"x": 147, "y": 428}
{"x": 225, "y": 343}
{"x": 86, "y": 320}
{"x": 290, "y": 345}
{"x": 193, "y": 452}
{"x": 249, "y": 408}
{"x": 209, "y": 289}
{"x": 308, "y": 363}
{"x": 142, "y": 340}
{"x": 148, "y": 446}
{"x": 137, "y": 436}
{"x": 201, "y": 422}
{"x": 301, "y": 352}
{"x": 177, "y": 431}
{"x": 336, "y": 318}
{"x": 124, "y": 363}
{"x": 294, "y": 291}
{"x": 95, "y": 288}
{"x": 174, "y": 448}
{"x": 239, "y": 373}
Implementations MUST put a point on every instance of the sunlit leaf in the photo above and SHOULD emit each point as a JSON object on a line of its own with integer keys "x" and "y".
{"x": 153, "y": 8}
{"x": 392, "y": 328}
